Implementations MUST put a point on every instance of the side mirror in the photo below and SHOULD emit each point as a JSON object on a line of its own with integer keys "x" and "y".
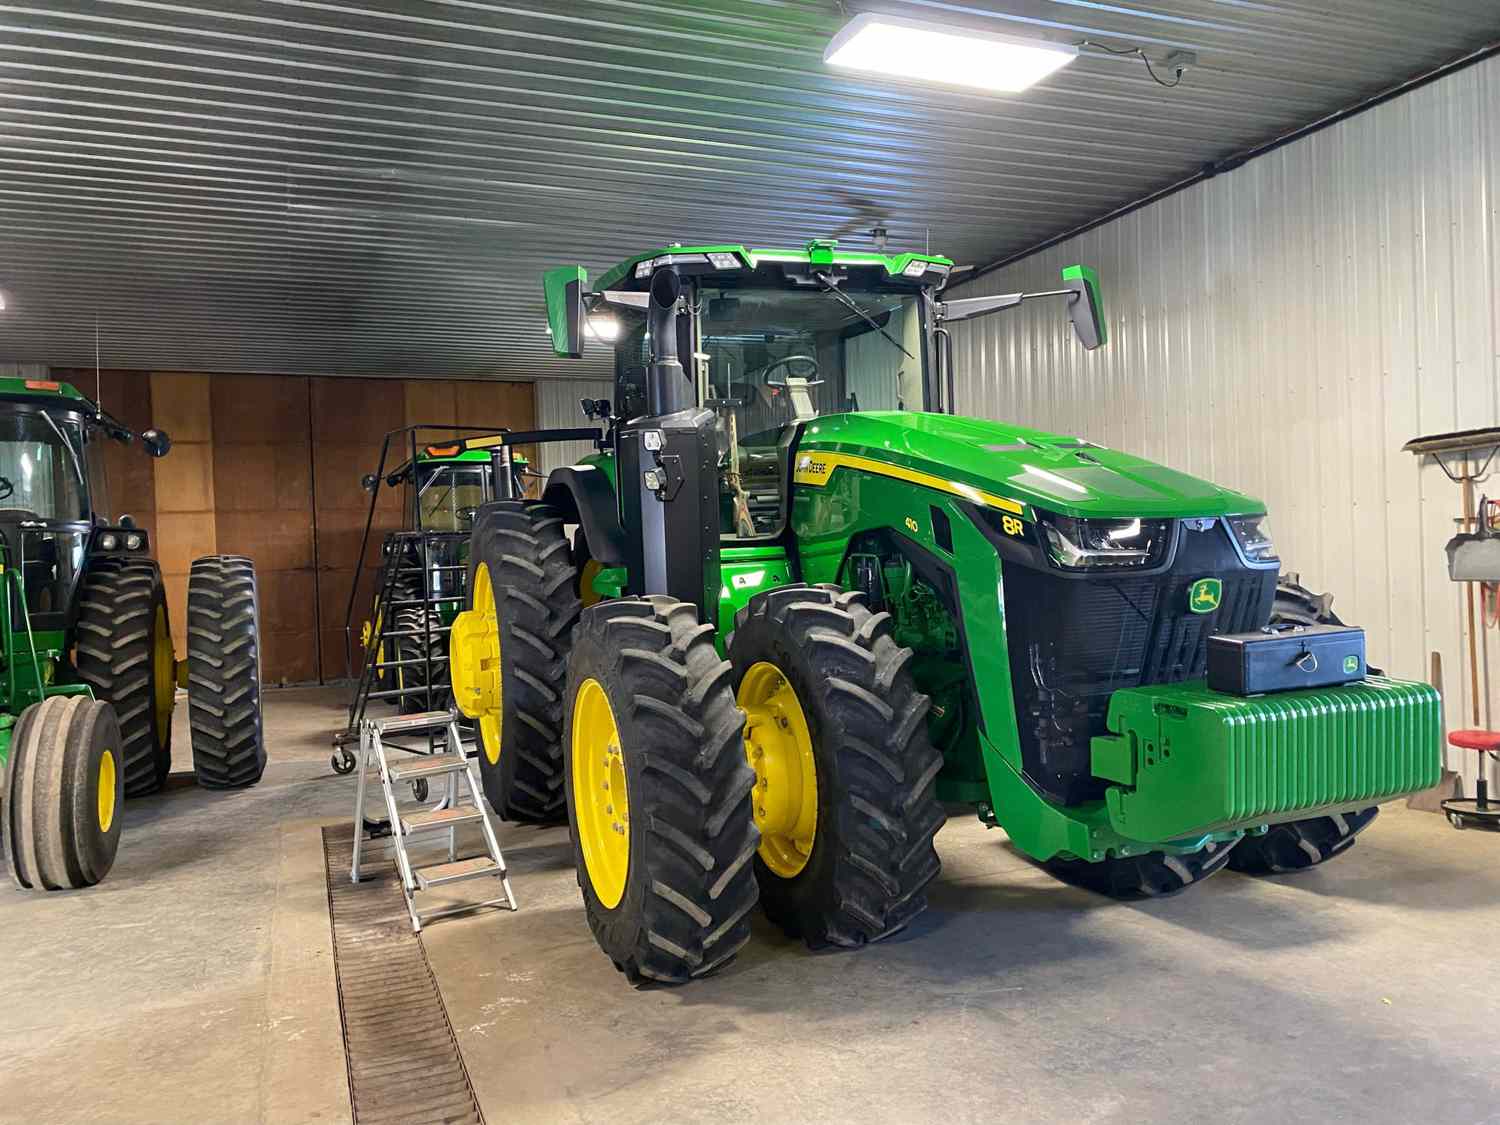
{"x": 564, "y": 288}
{"x": 157, "y": 442}
{"x": 1085, "y": 306}
{"x": 595, "y": 408}
{"x": 368, "y": 482}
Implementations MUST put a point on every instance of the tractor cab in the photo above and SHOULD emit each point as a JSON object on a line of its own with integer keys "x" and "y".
{"x": 773, "y": 340}
{"x": 53, "y": 492}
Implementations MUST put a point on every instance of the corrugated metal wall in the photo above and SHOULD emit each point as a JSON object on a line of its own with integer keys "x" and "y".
{"x": 557, "y": 407}
{"x": 1283, "y": 329}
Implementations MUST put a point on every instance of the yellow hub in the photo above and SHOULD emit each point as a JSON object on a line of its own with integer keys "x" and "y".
{"x": 164, "y": 673}
{"x": 779, "y": 746}
{"x": 106, "y": 791}
{"x": 586, "y": 592}
{"x": 601, "y": 804}
{"x": 474, "y": 663}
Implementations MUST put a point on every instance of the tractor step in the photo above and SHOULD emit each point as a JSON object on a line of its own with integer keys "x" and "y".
{"x": 463, "y": 803}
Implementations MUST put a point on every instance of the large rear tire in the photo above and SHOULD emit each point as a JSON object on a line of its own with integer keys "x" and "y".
{"x": 64, "y": 790}
{"x": 223, "y": 642}
{"x": 123, "y": 651}
{"x": 509, "y": 651}
{"x": 423, "y": 659}
{"x": 658, "y": 790}
{"x": 837, "y": 734}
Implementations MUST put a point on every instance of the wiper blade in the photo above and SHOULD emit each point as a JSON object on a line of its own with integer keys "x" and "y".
{"x": 849, "y": 303}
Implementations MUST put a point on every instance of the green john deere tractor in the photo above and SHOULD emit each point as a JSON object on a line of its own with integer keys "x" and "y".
{"x": 805, "y": 605}
{"x": 442, "y": 485}
{"x": 88, "y": 676}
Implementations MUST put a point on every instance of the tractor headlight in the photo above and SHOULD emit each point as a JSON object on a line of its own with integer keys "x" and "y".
{"x": 1253, "y": 534}
{"x": 133, "y": 541}
{"x": 108, "y": 541}
{"x": 1099, "y": 544}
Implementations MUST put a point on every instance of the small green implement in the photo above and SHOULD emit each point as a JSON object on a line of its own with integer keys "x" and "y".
{"x": 89, "y": 675}
{"x": 805, "y": 605}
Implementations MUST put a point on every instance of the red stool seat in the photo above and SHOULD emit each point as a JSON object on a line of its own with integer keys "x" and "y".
{"x": 1481, "y": 740}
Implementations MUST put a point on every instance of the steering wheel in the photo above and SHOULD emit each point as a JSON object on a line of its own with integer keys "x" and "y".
{"x": 808, "y": 361}
{"x": 7, "y": 490}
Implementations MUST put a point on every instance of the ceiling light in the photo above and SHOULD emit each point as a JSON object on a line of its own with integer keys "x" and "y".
{"x": 953, "y": 56}
{"x": 2, "y": 300}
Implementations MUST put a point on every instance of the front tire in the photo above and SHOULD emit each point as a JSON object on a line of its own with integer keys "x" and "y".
{"x": 1300, "y": 844}
{"x": 813, "y": 664}
{"x": 124, "y": 653}
{"x": 229, "y": 749}
{"x": 658, "y": 790}
{"x": 1153, "y": 875}
{"x": 64, "y": 794}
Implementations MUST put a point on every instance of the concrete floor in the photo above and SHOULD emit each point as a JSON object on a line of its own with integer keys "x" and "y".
{"x": 196, "y": 985}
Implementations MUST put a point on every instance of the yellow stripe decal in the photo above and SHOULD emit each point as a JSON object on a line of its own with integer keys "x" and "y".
{"x": 815, "y": 466}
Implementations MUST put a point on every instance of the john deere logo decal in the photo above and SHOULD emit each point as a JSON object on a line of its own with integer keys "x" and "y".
{"x": 1351, "y": 665}
{"x": 1204, "y": 595}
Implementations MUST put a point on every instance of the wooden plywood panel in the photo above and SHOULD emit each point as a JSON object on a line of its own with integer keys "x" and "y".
{"x": 184, "y": 479}
{"x": 261, "y": 409}
{"x": 350, "y": 418}
{"x": 264, "y": 509}
{"x": 180, "y": 405}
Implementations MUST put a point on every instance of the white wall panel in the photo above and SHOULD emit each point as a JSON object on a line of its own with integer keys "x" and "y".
{"x": 1283, "y": 329}
{"x": 557, "y": 408}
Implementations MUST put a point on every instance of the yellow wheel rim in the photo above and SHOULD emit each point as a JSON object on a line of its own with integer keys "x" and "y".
{"x": 474, "y": 662}
{"x": 586, "y": 592}
{"x": 779, "y": 746}
{"x": 106, "y": 791}
{"x": 164, "y": 673}
{"x": 601, "y": 803}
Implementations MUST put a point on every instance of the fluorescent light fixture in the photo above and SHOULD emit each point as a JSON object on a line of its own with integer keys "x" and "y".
{"x": 953, "y": 56}
{"x": 2, "y": 300}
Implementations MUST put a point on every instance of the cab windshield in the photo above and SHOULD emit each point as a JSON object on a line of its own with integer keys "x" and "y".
{"x": 449, "y": 495}
{"x": 765, "y": 358}
{"x": 40, "y": 461}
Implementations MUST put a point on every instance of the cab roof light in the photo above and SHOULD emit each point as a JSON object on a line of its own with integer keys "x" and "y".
{"x": 897, "y": 47}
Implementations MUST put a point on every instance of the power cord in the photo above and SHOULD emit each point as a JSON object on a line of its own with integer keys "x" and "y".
{"x": 1151, "y": 70}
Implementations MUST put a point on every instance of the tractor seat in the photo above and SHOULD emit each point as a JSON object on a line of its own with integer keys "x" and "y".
{"x": 1485, "y": 741}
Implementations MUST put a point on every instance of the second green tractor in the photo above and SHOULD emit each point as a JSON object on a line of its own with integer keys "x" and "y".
{"x": 794, "y": 606}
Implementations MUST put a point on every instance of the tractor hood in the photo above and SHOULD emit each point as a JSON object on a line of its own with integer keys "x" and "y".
{"x": 1053, "y": 471}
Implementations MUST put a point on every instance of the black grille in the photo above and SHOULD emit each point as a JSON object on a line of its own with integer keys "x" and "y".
{"x": 1075, "y": 641}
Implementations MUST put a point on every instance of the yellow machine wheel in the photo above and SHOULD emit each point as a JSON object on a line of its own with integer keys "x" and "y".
{"x": 779, "y": 747}
{"x": 601, "y": 795}
{"x": 658, "y": 790}
{"x": 845, "y": 772}
{"x": 508, "y": 653}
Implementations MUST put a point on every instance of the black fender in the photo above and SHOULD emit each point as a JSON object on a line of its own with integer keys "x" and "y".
{"x": 583, "y": 493}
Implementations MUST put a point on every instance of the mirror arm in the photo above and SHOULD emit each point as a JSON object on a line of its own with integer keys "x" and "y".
{"x": 967, "y": 308}
{"x": 623, "y": 299}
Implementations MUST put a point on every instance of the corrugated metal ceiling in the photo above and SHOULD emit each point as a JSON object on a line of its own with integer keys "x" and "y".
{"x": 374, "y": 187}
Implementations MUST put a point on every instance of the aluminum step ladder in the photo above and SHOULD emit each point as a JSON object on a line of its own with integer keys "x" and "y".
{"x": 453, "y": 810}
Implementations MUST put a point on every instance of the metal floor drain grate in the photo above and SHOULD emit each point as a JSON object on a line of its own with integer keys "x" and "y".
{"x": 404, "y": 1063}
